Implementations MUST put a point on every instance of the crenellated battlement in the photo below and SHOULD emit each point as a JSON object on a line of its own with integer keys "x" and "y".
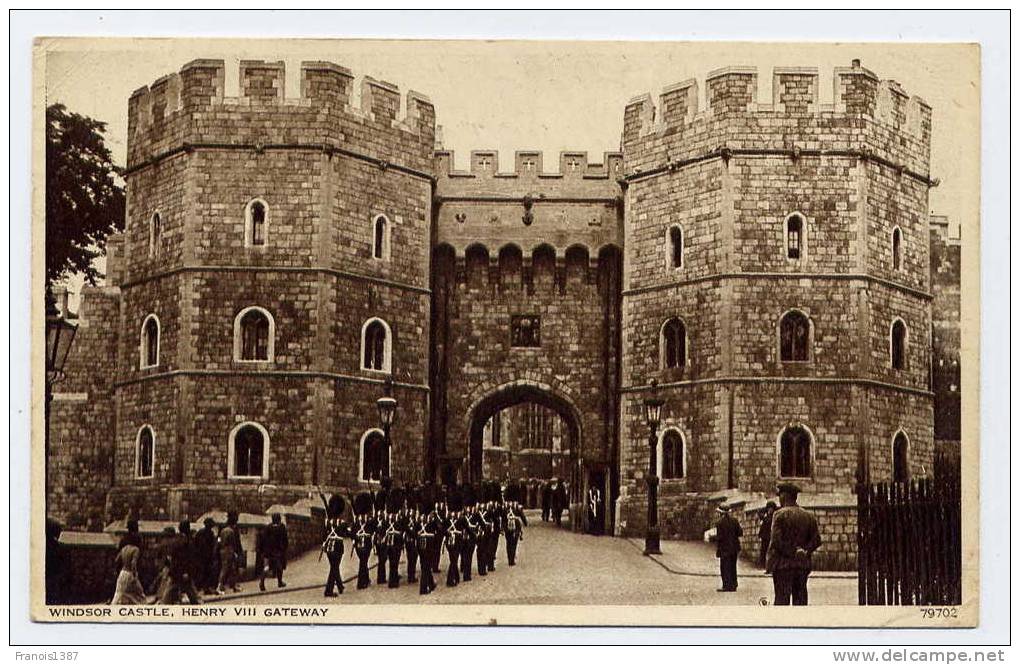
{"x": 190, "y": 106}
{"x": 733, "y": 91}
{"x": 530, "y": 164}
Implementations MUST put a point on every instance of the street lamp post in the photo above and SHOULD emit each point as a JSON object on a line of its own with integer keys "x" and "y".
{"x": 387, "y": 406}
{"x": 653, "y": 415}
{"x": 59, "y": 336}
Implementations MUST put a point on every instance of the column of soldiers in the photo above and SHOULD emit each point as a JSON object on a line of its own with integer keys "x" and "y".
{"x": 418, "y": 524}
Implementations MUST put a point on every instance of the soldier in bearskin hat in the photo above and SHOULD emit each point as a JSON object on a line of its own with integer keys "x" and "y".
{"x": 382, "y": 524}
{"x": 453, "y": 536}
{"x": 426, "y": 536}
{"x": 513, "y": 528}
{"x": 336, "y": 529}
{"x": 362, "y": 533}
{"x": 409, "y": 523}
{"x": 467, "y": 530}
{"x": 394, "y": 534}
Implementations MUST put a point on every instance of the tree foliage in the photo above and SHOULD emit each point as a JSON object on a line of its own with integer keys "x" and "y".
{"x": 84, "y": 203}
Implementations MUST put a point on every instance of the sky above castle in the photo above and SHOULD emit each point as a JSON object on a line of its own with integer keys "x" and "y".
{"x": 548, "y": 96}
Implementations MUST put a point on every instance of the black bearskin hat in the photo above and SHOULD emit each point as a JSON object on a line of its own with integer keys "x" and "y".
{"x": 455, "y": 499}
{"x": 395, "y": 500}
{"x": 336, "y": 505}
{"x": 363, "y": 504}
{"x": 470, "y": 497}
{"x": 380, "y": 500}
{"x": 427, "y": 500}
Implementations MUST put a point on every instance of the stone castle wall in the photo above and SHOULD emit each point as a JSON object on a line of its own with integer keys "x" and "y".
{"x": 583, "y": 246}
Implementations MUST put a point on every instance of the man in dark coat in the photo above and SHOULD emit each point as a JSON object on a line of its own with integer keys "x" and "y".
{"x": 205, "y": 556}
{"x": 727, "y": 547}
{"x": 794, "y": 539}
{"x": 559, "y": 501}
{"x": 546, "y": 491}
{"x": 181, "y": 567}
{"x": 274, "y": 551}
{"x": 56, "y": 564}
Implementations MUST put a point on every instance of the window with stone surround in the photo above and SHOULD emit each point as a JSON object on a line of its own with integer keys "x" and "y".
{"x": 673, "y": 344}
{"x": 525, "y": 330}
{"x": 376, "y": 346}
{"x": 898, "y": 344}
{"x": 795, "y": 452}
{"x": 374, "y": 464}
{"x": 145, "y": 452}
{"x": 795, "y": 236}
{"x": 155, "y": 234}
{"x": 671, "y": 455}
{"x": 248, "y": 452}
{"x": 794, "y": 337}
{"x": 149, "y": 343}
{"x": 256, "y": 229}
{"x": 381, "y": 237}
{"x": 900, "y": 458}
{"x": 897, "y": 249}
{"x": 254, "y": 335}
{"x": 675, "y": 247}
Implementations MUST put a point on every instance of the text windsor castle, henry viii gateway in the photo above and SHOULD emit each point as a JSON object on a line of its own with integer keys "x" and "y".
{"x": 766, "y": 264}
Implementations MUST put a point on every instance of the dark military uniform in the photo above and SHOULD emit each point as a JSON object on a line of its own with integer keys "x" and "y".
{"x": 426, "y": 536}
{"x": 794, "y": 539}
{"x": 514, "y": 530}
{"x": 410, "y": 545}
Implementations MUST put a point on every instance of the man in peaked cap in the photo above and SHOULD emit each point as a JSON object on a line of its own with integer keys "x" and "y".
{"x": 794, "y": 539}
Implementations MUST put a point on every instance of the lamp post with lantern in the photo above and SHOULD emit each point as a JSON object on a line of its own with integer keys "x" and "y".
{"x": 653, "y": 416}
{"x": 59, "y": 336}
{"x": 387, "y": 406}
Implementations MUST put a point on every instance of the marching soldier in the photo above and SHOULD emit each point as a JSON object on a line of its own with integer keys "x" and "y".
{"x": 466, "y": 527}
{"x": 394, "y": 536}
{"x": 482, "y": 526}
{"x": 515, "y": 523}
{"x": 409, "y": 523}
{"x": 362, "y": 535}
{"x": 333, "y": 544}
{"x": 452, "y": 539}
{"x": 382, "y": 525}
{"x": 426, "y": 535}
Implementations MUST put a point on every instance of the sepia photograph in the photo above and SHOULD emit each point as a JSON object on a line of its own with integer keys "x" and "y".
{"x": 478, "y": 332}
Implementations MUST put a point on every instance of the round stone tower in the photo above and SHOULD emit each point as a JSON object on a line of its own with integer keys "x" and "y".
{"x": 776, "y": 288}
{"x": 275, "y": 277}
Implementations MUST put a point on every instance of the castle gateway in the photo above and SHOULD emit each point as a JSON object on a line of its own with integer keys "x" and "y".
{"x": 766, "y": 264}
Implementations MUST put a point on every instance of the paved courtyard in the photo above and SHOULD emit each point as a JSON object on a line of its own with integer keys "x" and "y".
{"x": 558, "y": 567}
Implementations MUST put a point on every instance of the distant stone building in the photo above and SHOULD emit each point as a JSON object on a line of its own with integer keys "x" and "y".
{"x": 767, "y": 264}
{"x": 945, "y": 340}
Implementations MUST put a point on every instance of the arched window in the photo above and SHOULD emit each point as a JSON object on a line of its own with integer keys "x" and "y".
{"x": 248, "y": 451}
{"x": 149, "y": 343}
{"x": 256, "y": 216}
{"x": 375, "y": 462}
{"x": 794, "y": 337}
{"x": 898, "y": 344}
{"x": 381, "y": 237}
{"x": 376, "y": 346}
{"x": 676, "y": 247}
{"x": 795, "y": 453}
{"x": 671, "y": 455}
{"x": 900, "y": 458}
{"x": 145, "y": 452}
{"x": 794, "y": 236}
{"x": 897, "y": 249}
{"x": 673, "y": 344}
{"x": 155, "y": 234}
{"x": 254, "y": 335}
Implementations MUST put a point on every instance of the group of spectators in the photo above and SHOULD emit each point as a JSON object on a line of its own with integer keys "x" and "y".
{"x": 189, "y": 564}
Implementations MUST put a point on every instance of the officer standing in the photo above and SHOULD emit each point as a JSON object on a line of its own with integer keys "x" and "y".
{"x": 794, "y": 539}
{"x": 727, "y": 547}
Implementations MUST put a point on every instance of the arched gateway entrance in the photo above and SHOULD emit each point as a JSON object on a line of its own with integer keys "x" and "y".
{"x": 535, "y": 435}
